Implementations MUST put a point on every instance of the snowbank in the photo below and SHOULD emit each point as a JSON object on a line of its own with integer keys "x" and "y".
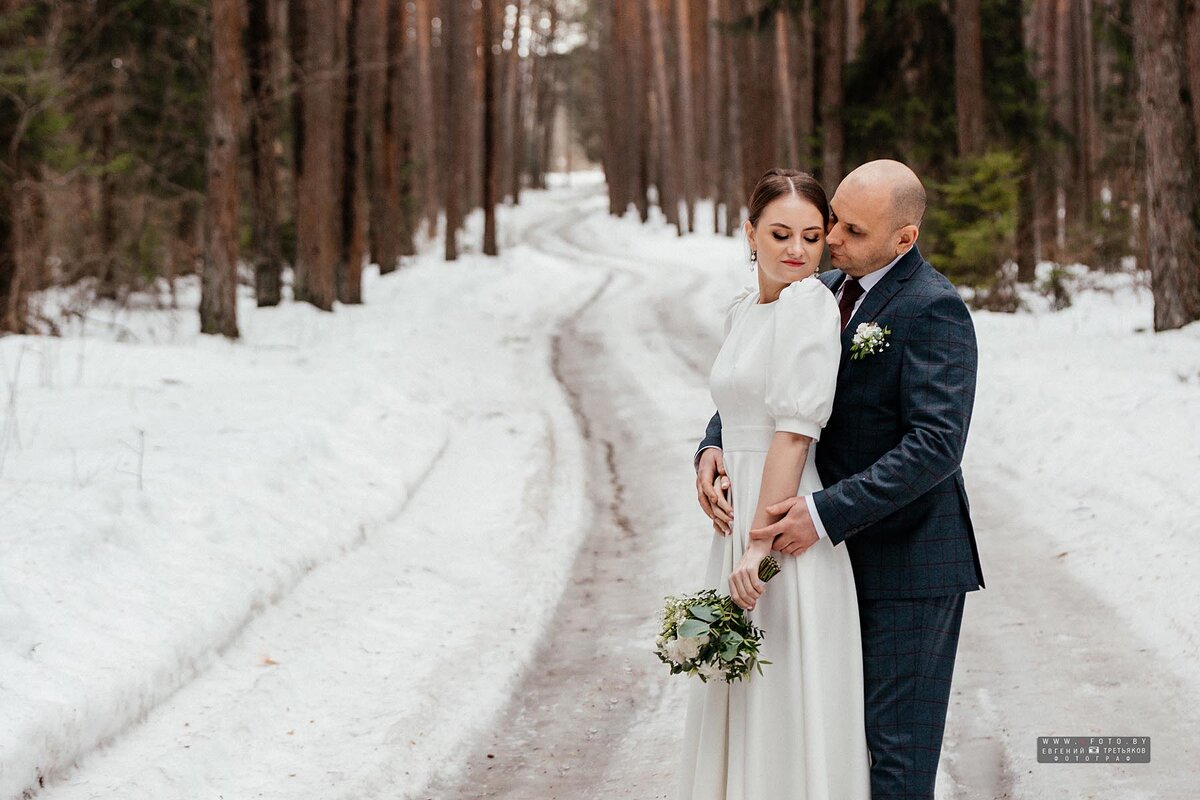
{"x": 184, "y": 518}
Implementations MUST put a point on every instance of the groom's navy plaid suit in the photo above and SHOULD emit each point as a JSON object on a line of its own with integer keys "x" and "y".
{"x": 889, "y": 458}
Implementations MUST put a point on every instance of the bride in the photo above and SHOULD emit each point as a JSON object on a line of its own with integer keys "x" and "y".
{"x": 796, "y": 732}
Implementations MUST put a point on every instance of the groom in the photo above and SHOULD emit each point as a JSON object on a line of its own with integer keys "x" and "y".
{"x": 889, "y": 459}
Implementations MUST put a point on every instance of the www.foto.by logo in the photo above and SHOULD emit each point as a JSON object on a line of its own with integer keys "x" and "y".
{"x": 1093, "y": 749}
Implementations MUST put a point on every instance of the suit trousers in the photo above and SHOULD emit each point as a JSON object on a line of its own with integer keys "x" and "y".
{"x": 908, "y": 660}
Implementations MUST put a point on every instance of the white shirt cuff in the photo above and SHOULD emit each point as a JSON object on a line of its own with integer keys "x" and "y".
{"x": 696, "y": 458}
{"x": 816, "y": 518}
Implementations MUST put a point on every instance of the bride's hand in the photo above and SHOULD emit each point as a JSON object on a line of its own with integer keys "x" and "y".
{"x": 745, "y": 587}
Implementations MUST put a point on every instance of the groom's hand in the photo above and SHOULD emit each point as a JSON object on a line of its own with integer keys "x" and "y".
{"x": 795, "y": 531}
{"x": 712, "y": 495}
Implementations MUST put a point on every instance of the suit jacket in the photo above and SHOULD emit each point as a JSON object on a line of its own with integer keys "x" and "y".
{"x": 890, "y": 454}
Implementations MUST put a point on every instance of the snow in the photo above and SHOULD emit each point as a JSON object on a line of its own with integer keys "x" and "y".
{"x": 337, "y": 501}
{"x": 314, "y": 562}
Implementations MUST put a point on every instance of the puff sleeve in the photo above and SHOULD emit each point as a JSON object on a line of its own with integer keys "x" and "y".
{"x": 805, "y": 353}
{"x": 731, "y": 312}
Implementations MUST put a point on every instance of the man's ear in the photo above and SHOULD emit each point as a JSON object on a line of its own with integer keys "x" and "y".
{"x": 908, "y": 237}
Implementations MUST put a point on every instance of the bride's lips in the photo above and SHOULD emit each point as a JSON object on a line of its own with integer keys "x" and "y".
{"x": 794, "y": 264}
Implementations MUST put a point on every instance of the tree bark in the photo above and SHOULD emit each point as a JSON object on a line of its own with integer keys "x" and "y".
{"x": 806, "y": 85}
{"x": 854, "y": 28}
{"x": 13, "y": 280}
{"x": 668, "y": 172}
{"x": 639, "y": 104}
{"x": 219, "y": 281}
{"x": 1086, "y": 123}
{"x": 783, "y": 73}
{"x": 1192, "y": 58}
{"x": 426, "y": 118}
{"x": 491, "y": 160}
{"x": 264, "y": 130}
{"x": 354, "y": 194}
{"x": 1173, "y": 235}
{"x": 454, "y": 29}
{"x": 832, "y": 122}
{"x": 714, "y": 79}
{"x": 734, "y": 194}
{"x": 687, "y": 139}
{"x": 521, "y": 72}
{"x": 319, "y": 172}
{"x": 968, "y": 78}
{"x": 376, "y": 23}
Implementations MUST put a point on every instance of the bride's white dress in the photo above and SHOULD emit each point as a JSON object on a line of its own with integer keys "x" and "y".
{"x": 796, "y": 731}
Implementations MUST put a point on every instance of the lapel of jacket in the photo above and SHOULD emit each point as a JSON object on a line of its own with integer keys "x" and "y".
{"x": 880, "y": 295}
{"x": 832, "y": 279}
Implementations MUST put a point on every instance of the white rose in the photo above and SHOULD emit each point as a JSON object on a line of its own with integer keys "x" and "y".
{"x": 710, "y": 671}
{"x": 689, "y": 647}
{"x": 672, "y": 651}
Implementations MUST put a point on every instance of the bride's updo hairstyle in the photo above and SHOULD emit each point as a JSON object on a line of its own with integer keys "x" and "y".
{"x": 777, "y": 182}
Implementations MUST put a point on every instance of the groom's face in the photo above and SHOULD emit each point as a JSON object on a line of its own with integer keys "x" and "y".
{"x": 862, "y": 235}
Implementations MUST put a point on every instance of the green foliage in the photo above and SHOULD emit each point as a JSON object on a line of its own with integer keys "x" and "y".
{"x": 900, "y": 88}
{"x": 972, "y": 220}
{"x": 1054, "y": 286}
{"x": 31, "y": 119}
{"x": 141, "y": 72}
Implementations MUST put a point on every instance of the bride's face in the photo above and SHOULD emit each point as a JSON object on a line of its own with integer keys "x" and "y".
{"x": 789, "y": 239}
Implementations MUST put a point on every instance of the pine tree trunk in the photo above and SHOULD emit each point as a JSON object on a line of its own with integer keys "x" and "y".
{"x": 1171, "y": 165}
{"x": 354, "y": 193}
{"x": 491, "y": 160}
{"x": 806, "y": 64}
{"x": 687, "y": 152}
{"x": 667, "y": 171}
{"x": 1026, "y": 234}
{"x": 375, "y": 21}
{"x": 638, "y": 133}
{"x": 516, "y": 162}
{"x": 854, "y": 28}
{"x": 968, "y": 78}
{"x": 512, "y": 63}
{"x": 427, "y": 117}
{"x": 1191, "y": 11}
{"x": 832, "y": 124}
{"x": 733, "y": 192}
{"x": 714, "y": 79}
{"x": 454, "y": 28}
{"x": 264, "y": 130}
{"x": 402, "y": 120}
{"x": 219, "y": 280}
{"x": 1085, "y": 111}
{"x": 13, "y": 290}
{"x": 319, "y": 169}
{"x": 783, "y": 74}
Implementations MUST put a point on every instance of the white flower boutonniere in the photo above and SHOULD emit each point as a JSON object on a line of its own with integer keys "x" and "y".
{"x": 868, "y": 340}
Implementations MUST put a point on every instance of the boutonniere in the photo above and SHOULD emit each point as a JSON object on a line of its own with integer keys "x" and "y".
{"x": 868, "y": 340}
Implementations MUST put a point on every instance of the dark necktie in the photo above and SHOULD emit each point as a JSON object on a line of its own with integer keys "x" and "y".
{"x": 851, "y": 291}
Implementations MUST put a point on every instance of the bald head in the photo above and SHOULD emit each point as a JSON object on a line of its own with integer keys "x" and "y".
{"x": 876, "y": 214}
{"x": 887, "y": 178}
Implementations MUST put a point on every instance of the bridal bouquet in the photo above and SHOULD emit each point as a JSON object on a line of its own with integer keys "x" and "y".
{"x": 708, "y": 635}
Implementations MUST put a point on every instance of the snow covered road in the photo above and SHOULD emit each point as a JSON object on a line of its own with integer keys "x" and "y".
{"x": 416, "y": 549}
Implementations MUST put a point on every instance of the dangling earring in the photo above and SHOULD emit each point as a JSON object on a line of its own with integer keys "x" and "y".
{"x": 753, "y": 255}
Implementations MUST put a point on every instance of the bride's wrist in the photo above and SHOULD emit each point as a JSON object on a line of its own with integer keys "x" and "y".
{"x": 760, "y": 546}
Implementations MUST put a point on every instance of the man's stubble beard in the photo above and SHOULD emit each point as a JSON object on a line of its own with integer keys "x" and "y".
{"x": 874, "y": 263}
